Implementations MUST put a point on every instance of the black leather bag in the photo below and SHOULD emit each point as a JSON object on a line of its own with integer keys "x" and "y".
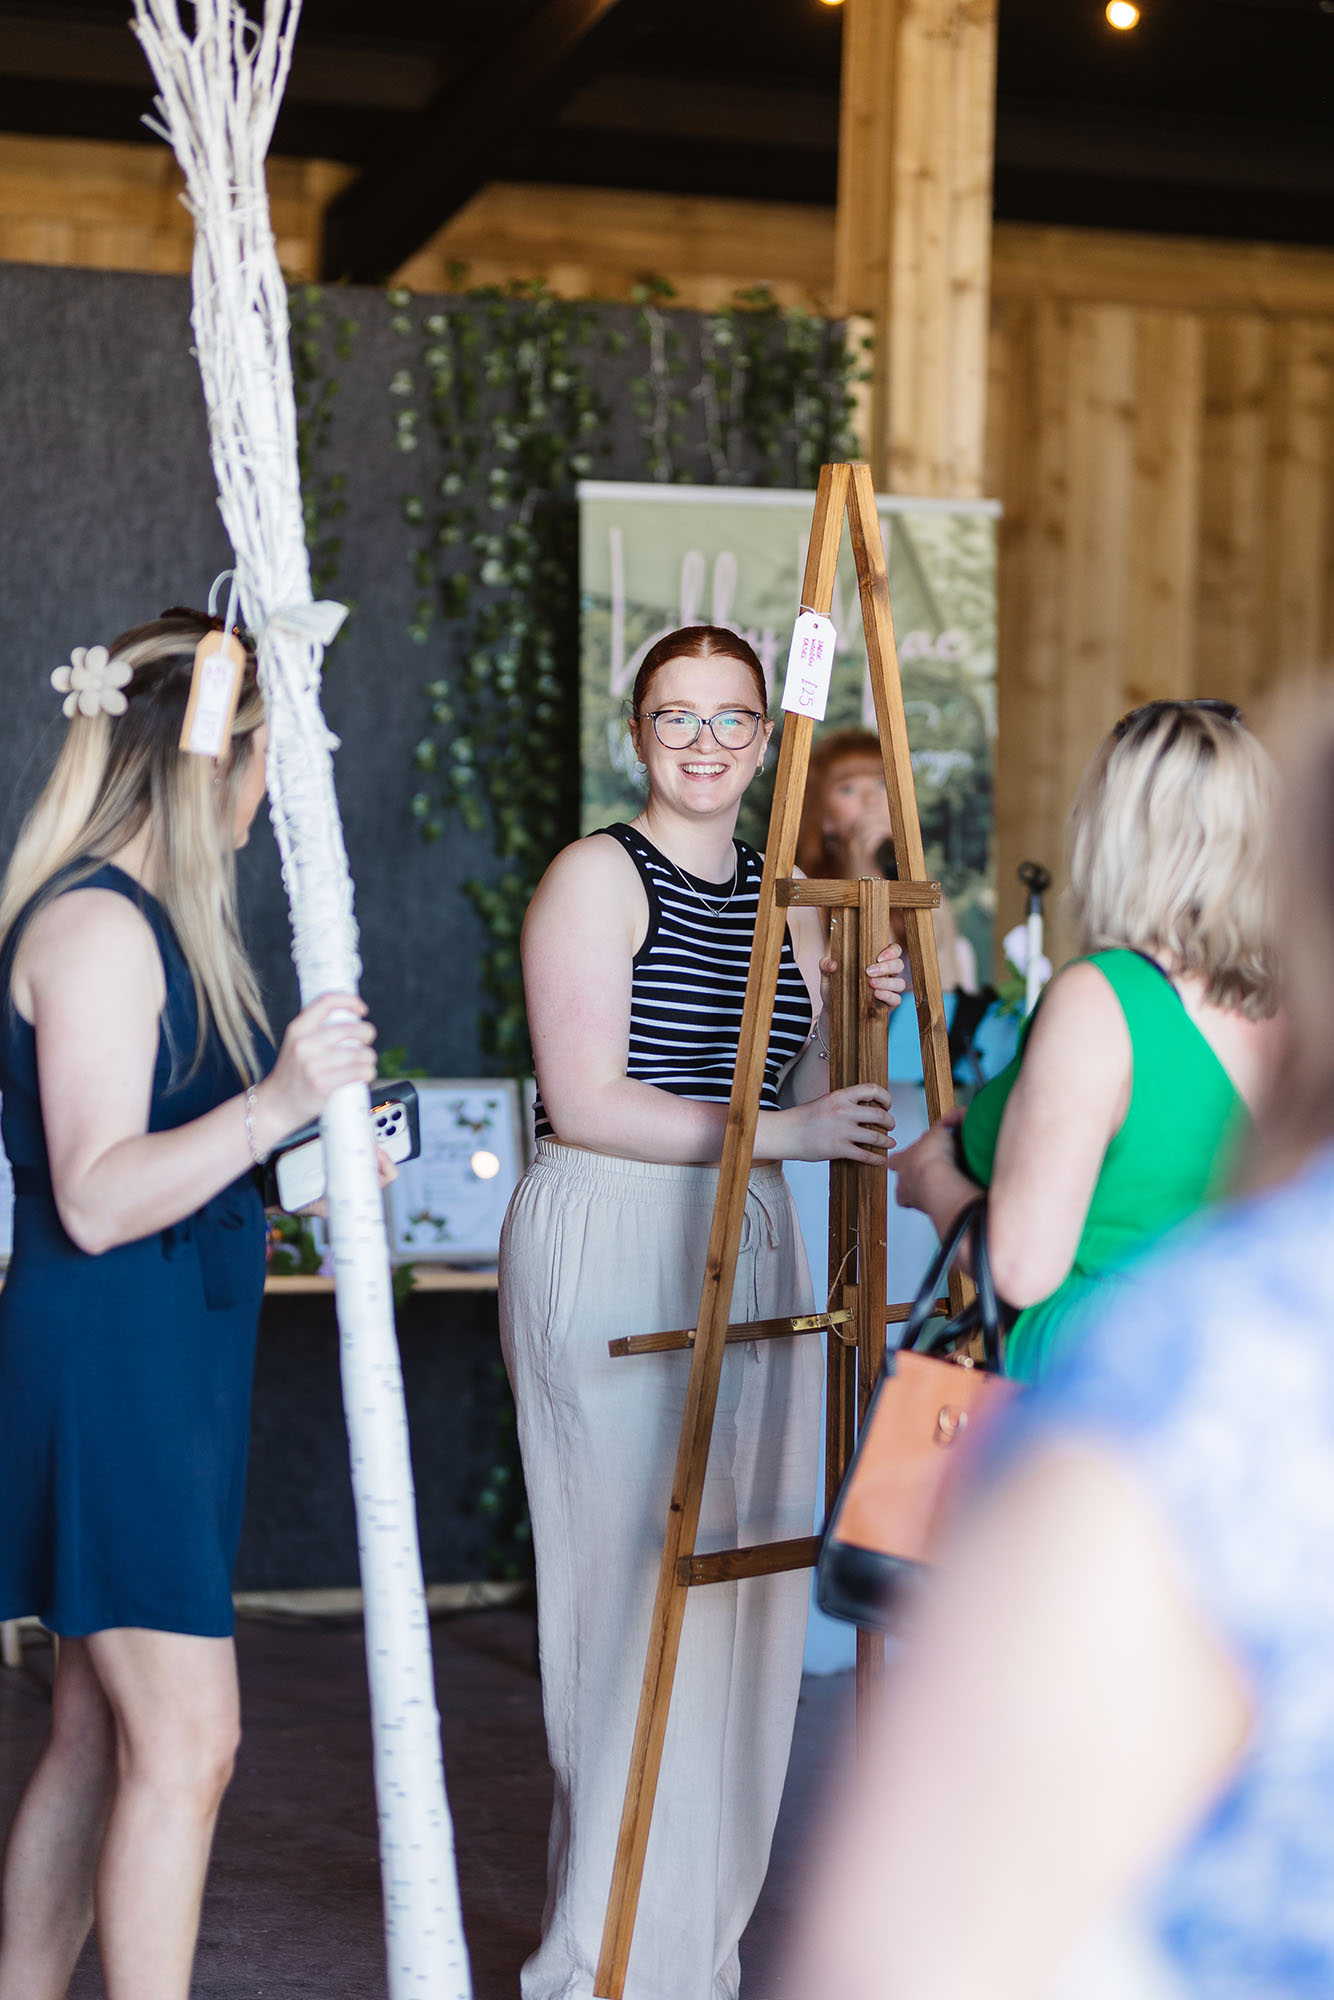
{"x": 887, "y": 1518}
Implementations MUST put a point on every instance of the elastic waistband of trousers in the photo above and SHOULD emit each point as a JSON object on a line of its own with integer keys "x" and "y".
{"x": 643, "y": 1179}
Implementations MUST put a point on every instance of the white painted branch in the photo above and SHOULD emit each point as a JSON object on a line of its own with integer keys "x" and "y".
{"x": 219, "y": 92}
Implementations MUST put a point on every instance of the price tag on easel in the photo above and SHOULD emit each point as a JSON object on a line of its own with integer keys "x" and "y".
{"x": 810, "y": 662}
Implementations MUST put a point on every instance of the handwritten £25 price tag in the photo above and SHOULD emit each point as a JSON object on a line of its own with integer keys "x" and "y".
{"x": 809, "y": 666}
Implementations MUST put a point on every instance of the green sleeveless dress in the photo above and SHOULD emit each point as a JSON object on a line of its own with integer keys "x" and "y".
{"x": 1172, "y": 1155}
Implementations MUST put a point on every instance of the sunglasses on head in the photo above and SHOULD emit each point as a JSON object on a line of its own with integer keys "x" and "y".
{"x": 1227, "y": 711}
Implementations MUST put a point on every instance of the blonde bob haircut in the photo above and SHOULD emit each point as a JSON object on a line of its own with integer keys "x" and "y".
{"x": 114, "y": 775}
{"x": 1168, "y": 843}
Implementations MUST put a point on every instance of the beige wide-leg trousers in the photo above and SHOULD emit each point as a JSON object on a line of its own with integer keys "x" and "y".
{"x": 595, "y": 1247}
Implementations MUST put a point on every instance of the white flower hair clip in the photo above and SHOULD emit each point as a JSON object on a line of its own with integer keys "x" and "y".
{"x": 92, "y": 683}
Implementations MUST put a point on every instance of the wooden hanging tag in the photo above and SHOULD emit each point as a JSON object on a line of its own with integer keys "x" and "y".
{"x": 215, "y": 689}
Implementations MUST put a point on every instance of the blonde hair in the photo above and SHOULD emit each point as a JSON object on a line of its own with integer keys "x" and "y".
{"x": 114, "y": 774}
{"x": 1168, "y": 842}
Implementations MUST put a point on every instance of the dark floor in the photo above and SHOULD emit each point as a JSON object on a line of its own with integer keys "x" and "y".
{"x": 293, "y": 1899}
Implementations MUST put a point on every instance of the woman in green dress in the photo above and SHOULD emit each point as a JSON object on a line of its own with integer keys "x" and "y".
{"x": 1121, "y": 1113}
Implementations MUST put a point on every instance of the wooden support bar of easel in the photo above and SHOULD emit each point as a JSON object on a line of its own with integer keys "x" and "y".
{"x": 745, "y": 1329}
{"x": 812, "y": 893}
{"x": 895, "y": 1315}
{"x": 765, "y": 1559}
{"x": 719, "y": 1275}
{"x": 841, "y": 1322}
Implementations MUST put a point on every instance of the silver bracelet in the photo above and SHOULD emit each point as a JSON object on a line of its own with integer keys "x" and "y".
{"x": 256, "y": 1155}
{"x": 821, "y": 1046}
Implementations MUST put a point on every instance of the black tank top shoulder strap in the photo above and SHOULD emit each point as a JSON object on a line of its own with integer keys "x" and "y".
{"x": 625, "y": 834}
{"x": 638, "y": 847}
{"x": 752, "y": 861}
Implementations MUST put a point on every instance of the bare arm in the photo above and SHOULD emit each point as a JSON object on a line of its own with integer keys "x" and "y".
{"x": 1067, "y": 1103}
{"x": 1060, "y": 1684}
{"x": 579, "y": 940}
{"x": 89, "y": 978}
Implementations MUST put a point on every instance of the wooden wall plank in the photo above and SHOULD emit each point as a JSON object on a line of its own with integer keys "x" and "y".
{"x": 1101, "y": 485}
{"x": 863, "y": 220}
{"x": 1299, "y": 510}
{"x": 1232, "y": 639}
{"x": 603, "y": 241}
{"x": 1032, "y": 777}
{"x": 913, "y": 232}
{"x": 1167, "y": 271}
{"x": 1161, "y": 588}
{"x": 117, "y": 207}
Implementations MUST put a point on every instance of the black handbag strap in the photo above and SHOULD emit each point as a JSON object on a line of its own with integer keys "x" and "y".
{"x": 921, "y": 1334}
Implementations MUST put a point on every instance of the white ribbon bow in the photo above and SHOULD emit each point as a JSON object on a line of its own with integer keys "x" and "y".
{"x": 316, "y": 621}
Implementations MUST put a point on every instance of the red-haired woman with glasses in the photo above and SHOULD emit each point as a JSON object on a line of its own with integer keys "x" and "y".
{"x": 1121, "y": 1113}
{"x": 636, "y": 949}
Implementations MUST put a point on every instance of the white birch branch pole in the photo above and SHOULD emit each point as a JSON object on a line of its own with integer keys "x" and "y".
{"x": 218, "y": 96}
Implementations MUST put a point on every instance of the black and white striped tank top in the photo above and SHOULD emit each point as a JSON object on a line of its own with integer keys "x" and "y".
{"x": 690, "y": 980}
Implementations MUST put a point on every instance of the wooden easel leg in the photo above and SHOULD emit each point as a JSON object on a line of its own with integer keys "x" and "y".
{"x": 841, "y": 1368}
{"x": 887, "y": 690}
{"x": 872, "y": 1222}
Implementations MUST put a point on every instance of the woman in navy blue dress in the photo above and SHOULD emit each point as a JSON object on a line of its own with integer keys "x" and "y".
{"x": 137, "y": 1107}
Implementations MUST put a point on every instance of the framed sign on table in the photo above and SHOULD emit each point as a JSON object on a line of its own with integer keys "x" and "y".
{"x": 446, "y": 1206}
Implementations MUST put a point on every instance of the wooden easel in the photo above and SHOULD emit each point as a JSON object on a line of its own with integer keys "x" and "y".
{"x": 859, "y": 930}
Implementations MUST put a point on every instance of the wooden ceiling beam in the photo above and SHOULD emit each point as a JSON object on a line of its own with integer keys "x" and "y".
{"x": 476, "y": 130}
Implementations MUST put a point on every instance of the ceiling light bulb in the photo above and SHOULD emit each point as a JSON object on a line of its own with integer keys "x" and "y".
{"x": 832, "y": 3}
{"x": 1122, "y": 13}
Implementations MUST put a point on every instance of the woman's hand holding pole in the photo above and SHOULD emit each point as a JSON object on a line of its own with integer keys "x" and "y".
{"x": 329, "y": 1043}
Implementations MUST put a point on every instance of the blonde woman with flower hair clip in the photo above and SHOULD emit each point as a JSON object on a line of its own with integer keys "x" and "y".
{"x": 140, "y": 1096}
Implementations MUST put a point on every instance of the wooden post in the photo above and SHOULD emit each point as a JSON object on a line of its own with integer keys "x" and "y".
{"x": 913, "y": 238}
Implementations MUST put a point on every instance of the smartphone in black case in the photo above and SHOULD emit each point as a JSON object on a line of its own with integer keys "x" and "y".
{"x": 294, "y": 1175}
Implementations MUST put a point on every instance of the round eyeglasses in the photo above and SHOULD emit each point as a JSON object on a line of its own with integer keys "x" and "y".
{"x": 1226, "y": 711}
{"x": 680, "y": 728}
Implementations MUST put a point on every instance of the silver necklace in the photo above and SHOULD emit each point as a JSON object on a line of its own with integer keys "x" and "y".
{"x": 714, "y": 911}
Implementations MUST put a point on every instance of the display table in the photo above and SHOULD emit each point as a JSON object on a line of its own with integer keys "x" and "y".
{"x": 427, "y": 1278}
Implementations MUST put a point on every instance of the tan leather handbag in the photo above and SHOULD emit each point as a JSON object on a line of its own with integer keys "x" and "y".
{"x": 887, "y": 1519}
